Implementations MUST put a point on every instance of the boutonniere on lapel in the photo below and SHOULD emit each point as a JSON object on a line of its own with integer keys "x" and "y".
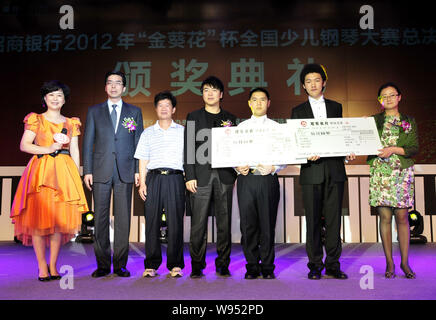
{"x": 227, "y": 123}
{"x": 403, "y": 124}
{"x": 130, "y": 124}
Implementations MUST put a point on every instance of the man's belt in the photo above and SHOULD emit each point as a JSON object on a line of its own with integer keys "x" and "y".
{"x": 54, "y": 154}
{"x": 165, "y": 171}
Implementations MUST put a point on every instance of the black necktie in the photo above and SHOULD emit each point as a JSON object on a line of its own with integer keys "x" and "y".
{"x": 114, "y": 116}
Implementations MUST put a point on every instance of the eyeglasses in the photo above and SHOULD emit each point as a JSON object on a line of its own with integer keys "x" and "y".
{"x": 117, "y": 83}
{"x": 391, "y": 96}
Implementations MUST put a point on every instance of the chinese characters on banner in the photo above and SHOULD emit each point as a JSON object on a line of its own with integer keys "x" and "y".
{"x": 225, "y": 38}
{"x": 186, "y": 74}
{"x": 245, "y": 73}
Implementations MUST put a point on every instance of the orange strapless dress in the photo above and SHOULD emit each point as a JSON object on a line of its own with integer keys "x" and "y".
{"x": 50, "y": 197}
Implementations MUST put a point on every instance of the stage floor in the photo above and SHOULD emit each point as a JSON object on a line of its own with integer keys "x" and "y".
{"x": 364, "y": 264}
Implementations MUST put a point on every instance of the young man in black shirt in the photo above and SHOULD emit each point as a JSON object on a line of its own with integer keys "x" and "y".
{"x": 207, "y": 185}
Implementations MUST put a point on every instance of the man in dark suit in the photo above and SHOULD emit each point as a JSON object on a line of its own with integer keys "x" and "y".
{"x": 322, "y": 181}
{"x": 207, "y": 185}
{"x": 112, "y": 131}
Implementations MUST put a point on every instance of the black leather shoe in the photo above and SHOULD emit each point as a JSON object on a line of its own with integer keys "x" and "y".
{"x": 123, "y": 272}
{"x": 100, "y": 273}
{"x": 251, "y": 276}
{"x": 337, "y": 274}
{"x": 223, "y": 271}
{"x": 314, "y": 275}
{"x": 44, "y": 279}
{"x": 269, "y": 276}
{"x": 53, "y": 277}
{"x": 196, "y": 274}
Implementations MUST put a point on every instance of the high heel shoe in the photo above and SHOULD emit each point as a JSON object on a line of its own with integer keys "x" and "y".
{"x": 390, "y": 274}
{"x": 54, "y": 277}
{"x": 409, "y": 274}
{"x": 43, "y": 279}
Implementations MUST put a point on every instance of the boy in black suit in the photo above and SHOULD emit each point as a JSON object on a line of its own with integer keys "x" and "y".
{"x": 322, "y": 181}
{"x": 205, "y": 184}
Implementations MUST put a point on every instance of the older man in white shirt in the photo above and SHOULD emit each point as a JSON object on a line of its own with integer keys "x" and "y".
{"x": 162, "y": 186}
{"x": 258, "y": 198}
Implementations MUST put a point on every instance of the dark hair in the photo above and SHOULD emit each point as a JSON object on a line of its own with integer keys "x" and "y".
{"x": 258, "y": 89}
{"x": 312, "y": 68}
{"x": 54, "y": 85}
{"x": 214, "y": 82}
{"x": 388, "y": 84}
{"x": 165, "y": 95}
{"x": 117, "y": 73}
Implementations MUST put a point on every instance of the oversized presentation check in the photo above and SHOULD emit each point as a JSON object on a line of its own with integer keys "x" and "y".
{"x": 246, "y": 145}
{"x": 332, "y": 137}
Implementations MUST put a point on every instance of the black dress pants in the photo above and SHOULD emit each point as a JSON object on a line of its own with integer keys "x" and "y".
{"x": 164, "y": 191}
{"x": 122, "y": 195}
{"x": 200, "y": 204}
{"x": 258, "y": 199}
{"x": 323, "y": 200}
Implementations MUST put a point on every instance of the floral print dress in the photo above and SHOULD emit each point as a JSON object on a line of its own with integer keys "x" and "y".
{"x": 389, "y": 185}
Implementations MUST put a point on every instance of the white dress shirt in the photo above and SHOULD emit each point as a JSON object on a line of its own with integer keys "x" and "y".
{"x": 319, "y": 108}
{"x": 262, "y": 121}
{"x": 118, "y": 107}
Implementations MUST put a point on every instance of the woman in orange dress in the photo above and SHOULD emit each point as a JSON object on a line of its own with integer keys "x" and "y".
{"x": 49, "y": 200}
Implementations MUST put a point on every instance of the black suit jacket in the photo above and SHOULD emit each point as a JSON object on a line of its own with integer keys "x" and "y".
{"x": 102, "y": 146}
{"x": 194, "y": 170}
{"x": 313, "y": 171}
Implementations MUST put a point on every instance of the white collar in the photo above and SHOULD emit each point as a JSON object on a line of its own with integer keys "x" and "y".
{"x": 158, "y": 127}
{"x": 261, "y": 119}
{"x": 119, "y": 104}
{"x": 315, "y": 101}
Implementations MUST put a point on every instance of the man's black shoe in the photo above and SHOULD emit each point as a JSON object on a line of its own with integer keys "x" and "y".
{"x": 123, "y": 272}
{"x": 100, "y": 273}
{"x": 269, "y": 276}
{"x": 250, "y": 276}
{"x": 314, "y": 275}
{"x": 337, "y": 274}
{"x": 195, "y": 274}
{"x": 223, "y": 271}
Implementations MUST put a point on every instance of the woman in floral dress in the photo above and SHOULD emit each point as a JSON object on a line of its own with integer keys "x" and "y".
{"x": 392, "y": 175}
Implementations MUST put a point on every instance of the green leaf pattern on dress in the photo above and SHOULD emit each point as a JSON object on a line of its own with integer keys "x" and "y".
{"x": 389, "y": 185}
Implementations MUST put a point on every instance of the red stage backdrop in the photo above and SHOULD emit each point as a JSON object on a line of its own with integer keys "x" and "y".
{"x": 174, "y": 45}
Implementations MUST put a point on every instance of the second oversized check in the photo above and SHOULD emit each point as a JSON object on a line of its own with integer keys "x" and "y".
{"x": 334, "y": 137}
